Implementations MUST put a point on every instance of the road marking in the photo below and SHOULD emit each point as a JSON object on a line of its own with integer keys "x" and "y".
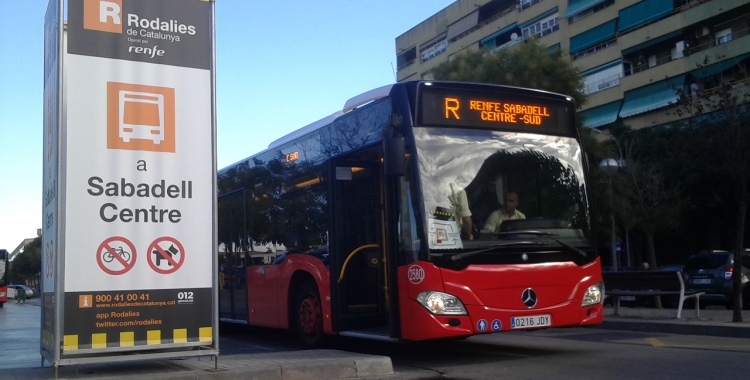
{"x": 655, "y": 342}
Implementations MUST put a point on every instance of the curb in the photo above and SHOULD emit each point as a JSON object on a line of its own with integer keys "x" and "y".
{"x": 290, "y": 365}
{"x": 727, "y": 330}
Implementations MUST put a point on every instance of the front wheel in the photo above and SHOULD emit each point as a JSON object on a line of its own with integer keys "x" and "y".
{"x": 308, "y": 314}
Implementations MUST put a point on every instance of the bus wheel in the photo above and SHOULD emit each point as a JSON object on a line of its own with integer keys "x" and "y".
{"x": 309, "y": 314}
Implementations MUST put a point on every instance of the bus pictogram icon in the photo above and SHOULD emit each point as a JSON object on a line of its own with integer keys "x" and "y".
{"x": 140, "y": 117}
{"x": 165, "y": 255}
{"x": 116, "y": 255}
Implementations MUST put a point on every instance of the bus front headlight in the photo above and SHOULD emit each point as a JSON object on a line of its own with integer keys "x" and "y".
{"x": 441, "y": 303}
{"x": 593, "y": 295}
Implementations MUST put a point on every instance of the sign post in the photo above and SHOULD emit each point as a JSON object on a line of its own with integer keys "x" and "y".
{"x": 137, "y": 260}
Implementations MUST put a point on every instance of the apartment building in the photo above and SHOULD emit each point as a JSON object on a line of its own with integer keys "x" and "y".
{"x": 634, "y": 56}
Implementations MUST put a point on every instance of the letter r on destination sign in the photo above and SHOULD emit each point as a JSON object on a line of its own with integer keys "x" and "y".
{"x": 451, "y": 107}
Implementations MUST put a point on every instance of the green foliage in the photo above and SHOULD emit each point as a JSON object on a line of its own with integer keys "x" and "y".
{"x": 526, "y": 65}
{"x": 29, "y": 263}
{"x": 716, "y": 141}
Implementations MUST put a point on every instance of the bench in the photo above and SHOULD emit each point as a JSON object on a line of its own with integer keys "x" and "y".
{"x": 648, "y": 283}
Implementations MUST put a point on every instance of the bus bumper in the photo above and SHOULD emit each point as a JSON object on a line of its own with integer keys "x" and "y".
{"x": 422, "y": 325}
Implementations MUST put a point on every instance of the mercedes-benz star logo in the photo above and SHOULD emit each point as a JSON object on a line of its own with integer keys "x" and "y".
{"x": 529, "y": 298}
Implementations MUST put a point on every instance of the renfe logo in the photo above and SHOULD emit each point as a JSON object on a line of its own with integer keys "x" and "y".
{"x": 103, "y": 15}
{"x": 416, "y": 274}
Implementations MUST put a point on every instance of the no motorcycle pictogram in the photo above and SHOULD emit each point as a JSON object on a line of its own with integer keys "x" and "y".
{"x": 165, "y": 255}
{"x": 116, "y": 255}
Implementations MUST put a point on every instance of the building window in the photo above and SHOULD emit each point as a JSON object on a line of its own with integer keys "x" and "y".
{"x": 602, "y": 78}
{"x": 724, "y": 36}
{"x": 542, "y": 28}
{"x": 406, "y": 58}
{"x": 433, "y": 50}
{"x": 594, "y": 49}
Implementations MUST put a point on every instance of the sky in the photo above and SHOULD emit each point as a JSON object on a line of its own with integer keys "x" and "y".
{"x": 281, "y": 65}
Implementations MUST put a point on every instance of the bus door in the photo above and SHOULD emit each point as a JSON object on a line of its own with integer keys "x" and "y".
{"x": 357, "y": 265}
{"x": 232, "y": 258}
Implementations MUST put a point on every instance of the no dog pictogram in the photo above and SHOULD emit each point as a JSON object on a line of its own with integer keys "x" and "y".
{"x": 165, "y": 255}
{"x": 116, "y": 255}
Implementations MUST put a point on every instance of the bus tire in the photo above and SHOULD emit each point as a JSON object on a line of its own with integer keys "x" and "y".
{"x": 308, "y": 314}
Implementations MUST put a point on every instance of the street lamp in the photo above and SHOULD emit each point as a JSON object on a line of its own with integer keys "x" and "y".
{"x": 610, "y": 165}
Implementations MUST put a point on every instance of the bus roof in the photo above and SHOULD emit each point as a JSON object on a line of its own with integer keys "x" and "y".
{"x": 351, "y": 104}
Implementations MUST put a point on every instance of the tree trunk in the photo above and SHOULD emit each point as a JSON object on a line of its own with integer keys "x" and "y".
{"x": 739, "y": 248}
{"x": 651, "y": 254}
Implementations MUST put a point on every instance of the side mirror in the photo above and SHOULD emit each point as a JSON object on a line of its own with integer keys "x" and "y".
{"x": 394, "y": 155}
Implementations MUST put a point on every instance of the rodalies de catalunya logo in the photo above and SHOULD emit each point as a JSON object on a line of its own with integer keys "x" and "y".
{"x": 109, "y": 16}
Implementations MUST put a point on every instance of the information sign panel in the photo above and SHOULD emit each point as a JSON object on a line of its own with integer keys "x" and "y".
{"x": 138, "y": 180}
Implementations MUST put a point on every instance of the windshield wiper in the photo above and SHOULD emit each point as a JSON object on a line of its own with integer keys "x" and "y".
{"x": 472, "y": 253}
{"x": 547, "y": 234}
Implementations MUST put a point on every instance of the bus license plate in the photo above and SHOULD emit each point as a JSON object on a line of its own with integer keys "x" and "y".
{"x": 530, "y": 321}
{"x": 702, "y": 281}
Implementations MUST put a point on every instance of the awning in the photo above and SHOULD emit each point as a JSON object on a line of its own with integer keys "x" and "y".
{"x": 538, "y": 18}
{"x": 651, "y": 97}
{"x": 602, "y": 115}
{"x": 643, "y": 12}
{"x": 601, "y": 68}
{"x": 489, "y": 40}
{"x": 717, "y": 68}
{"x": 652, "y": 42}
{"x": 593, "y": 37}
{"x": 577, "y": 6}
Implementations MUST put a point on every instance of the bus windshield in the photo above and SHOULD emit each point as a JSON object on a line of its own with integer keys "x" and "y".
{"x": 484, "y": 187}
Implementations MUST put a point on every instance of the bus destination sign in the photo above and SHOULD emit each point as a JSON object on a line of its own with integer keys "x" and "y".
{"x": 493, "y": 111}
{"x": 488, "y": 110}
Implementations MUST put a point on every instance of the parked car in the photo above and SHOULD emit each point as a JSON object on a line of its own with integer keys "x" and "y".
{"x": 712, "y": 271}
{"x": 672, "y": 268}
{"x": 19, "y": 288}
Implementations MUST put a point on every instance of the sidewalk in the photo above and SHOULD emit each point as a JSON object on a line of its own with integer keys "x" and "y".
{"x": 309, "y": 364}
{"x": 20, "y": 359}
{"x": 714, "y": 321}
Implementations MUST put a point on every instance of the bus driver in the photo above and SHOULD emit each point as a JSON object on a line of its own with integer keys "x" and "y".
{"x": 507, "y": 212}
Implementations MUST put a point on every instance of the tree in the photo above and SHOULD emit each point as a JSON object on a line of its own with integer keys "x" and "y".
{"x": 28, "y": 265}
{"x": 648, "y": 200}
{"x": 527, "y": 65}
{"x": 715, "y": 140}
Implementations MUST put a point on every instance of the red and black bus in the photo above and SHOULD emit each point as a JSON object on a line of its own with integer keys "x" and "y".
{"x": 4, "y": 256}
{"x": 372, "y": 222}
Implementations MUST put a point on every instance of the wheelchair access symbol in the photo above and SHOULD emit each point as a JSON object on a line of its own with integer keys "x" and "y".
{"x": 165, "y": 255}
{"x": 116, "y": 255}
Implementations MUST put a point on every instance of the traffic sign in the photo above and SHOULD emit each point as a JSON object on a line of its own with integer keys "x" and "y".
{"x": 482, "y": 325}
{"x": 116, "y": 255}
{"x": 165, "y": 255}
